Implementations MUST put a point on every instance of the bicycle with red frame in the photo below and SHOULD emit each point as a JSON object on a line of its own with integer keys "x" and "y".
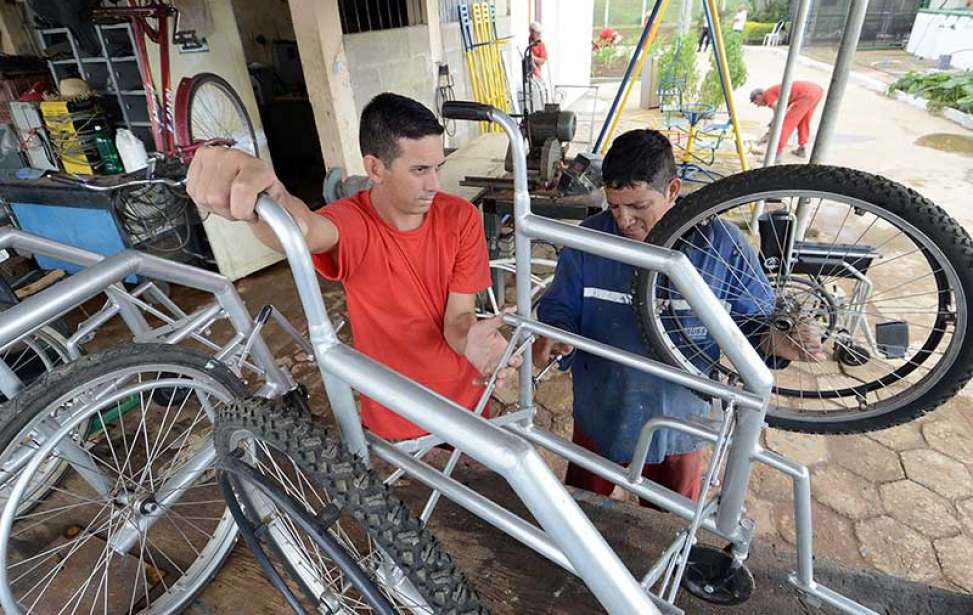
{"x": 205, "y": 110}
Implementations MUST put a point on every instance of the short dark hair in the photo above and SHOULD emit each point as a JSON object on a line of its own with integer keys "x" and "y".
{"x": 389, "y": 117}
{"x": 641, "y": 155}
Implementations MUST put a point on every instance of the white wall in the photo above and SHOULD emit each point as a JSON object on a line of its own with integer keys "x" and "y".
{"x": 567, "y": 36}
{"x": 397, "y": 60}
{"x": 400, "y": 61}
{"x": 935, "y": 34}
{"x": 237, "y": 252}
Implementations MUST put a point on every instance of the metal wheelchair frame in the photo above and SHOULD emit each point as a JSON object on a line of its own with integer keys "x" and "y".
{"x": 503, "y": 444}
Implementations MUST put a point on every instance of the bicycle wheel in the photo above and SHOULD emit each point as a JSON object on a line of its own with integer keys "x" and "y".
{"x": 297, "y": 455}
{"x": 136, "y": 523}
{"x": 35, "y": 355}
{"x": 29, "y": 359}
{"x": 207, "y": 107}
{"x": 883, "y": 273}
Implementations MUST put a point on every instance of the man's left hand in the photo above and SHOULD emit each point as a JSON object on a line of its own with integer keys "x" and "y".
{"x": 485, "y": 347}
{"x": 802, "y": 343}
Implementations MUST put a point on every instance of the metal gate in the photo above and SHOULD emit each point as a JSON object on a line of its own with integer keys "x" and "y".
{"x": 887, "y": 22}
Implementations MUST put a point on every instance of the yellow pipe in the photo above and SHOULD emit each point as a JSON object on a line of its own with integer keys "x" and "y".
{"x": 475, "y": 83}
{"x": 483, "y": 59}
{"x": 725, "y": 74}
{"x": 688, "y": 153}
{"x": 635, "y": 75}
{"x": 483, "y": 53}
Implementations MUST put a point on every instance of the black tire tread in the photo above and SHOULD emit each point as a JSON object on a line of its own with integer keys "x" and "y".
{"x": 900, "y": 200}
{"x": 357, "y": 489}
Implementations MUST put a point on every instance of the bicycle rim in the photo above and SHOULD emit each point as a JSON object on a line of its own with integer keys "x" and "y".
{"x": 215, "y": 111}
{"x": 61, "y": 556}
{"x": 912, "y": 282}
{"x": 299, "y": 555}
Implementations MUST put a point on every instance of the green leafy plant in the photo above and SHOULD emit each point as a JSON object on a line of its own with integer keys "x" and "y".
{"x": 711, "y": 91}
{"x": 610, "y": 61}
{"x": 677, "y": 64}
{"x": 770, "y": 11}
{"x": 941, "y": 89}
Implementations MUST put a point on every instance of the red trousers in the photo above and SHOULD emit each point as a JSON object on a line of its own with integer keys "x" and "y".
{"x": 799, "y": 114}
{"x": 681, "y": 473}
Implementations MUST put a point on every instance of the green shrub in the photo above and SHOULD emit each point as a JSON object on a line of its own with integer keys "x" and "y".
{"x": 678, "y": 67}
{"x": 941, "y": 89}
{"x": 770, "y": 11}
{"x": 711, "y": 92}
{"x": 754, "y": 31}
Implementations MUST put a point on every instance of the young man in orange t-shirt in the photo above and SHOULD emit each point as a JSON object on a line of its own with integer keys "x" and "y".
{"x": 411, "y": 258}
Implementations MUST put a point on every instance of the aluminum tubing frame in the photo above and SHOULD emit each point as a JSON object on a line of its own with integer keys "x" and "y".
{"x": 508, "y": 455}
{"x": 755, "y": 375}
{"x": 102, "y": 273}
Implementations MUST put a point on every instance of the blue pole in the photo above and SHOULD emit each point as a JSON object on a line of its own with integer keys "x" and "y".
{"x": 727, "y": 92}
{"x": 628, "y": 75}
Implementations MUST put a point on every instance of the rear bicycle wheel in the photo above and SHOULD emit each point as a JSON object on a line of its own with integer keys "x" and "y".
{"x": 35, "y": 355}
{"x": 885, "y": 275}
{"x": 30, "y": 358}
{"x": 136, "y": 524}
{"x": 208, "y": 108}
{"x": 298, "y": 456}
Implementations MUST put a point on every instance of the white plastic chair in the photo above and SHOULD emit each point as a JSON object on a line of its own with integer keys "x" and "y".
{"x": 773, "y": 38}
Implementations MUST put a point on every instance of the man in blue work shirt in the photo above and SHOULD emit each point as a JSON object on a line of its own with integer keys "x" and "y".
{"x": 591, "y": 296}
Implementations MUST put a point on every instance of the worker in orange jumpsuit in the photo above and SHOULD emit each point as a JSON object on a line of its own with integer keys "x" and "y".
{"x": 804, "y": 98}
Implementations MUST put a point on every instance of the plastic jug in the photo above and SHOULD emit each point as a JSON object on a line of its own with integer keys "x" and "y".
{"x": 131, "y": 150}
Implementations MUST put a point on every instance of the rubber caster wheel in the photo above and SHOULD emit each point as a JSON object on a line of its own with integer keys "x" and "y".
{"x": 713, "y": 576}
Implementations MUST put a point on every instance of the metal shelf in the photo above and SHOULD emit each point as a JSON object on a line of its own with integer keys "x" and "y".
{"x": 86, "y": 65}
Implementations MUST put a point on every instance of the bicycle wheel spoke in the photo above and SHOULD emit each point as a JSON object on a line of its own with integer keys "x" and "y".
{"x": 886, "y": 331}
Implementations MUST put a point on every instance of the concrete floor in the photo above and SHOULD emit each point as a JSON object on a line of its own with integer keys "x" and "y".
{"x": 894, "y": 512}
{"x": 896, "y": 505}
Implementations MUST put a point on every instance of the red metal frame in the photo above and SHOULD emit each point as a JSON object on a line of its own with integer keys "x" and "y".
{"x": 163, "y": 124}
{"x": 170, "y": 128}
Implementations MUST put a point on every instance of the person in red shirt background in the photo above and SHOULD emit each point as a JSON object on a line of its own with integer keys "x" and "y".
{"x": 804, "y": 98}
{"x": 537, "y": 48}
{"x": 410, "y": 257}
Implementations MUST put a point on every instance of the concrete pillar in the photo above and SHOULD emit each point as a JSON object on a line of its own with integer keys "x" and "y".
{"x": 685, "y": 18}
{"x": 434, "y": 20}
{"x": 317, "y": 26}
{"x": 839, "y": 79}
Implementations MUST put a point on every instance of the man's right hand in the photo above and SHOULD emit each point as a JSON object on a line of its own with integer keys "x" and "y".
{"x": 227, "y": 182}
{"x": 544, "y": 350}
